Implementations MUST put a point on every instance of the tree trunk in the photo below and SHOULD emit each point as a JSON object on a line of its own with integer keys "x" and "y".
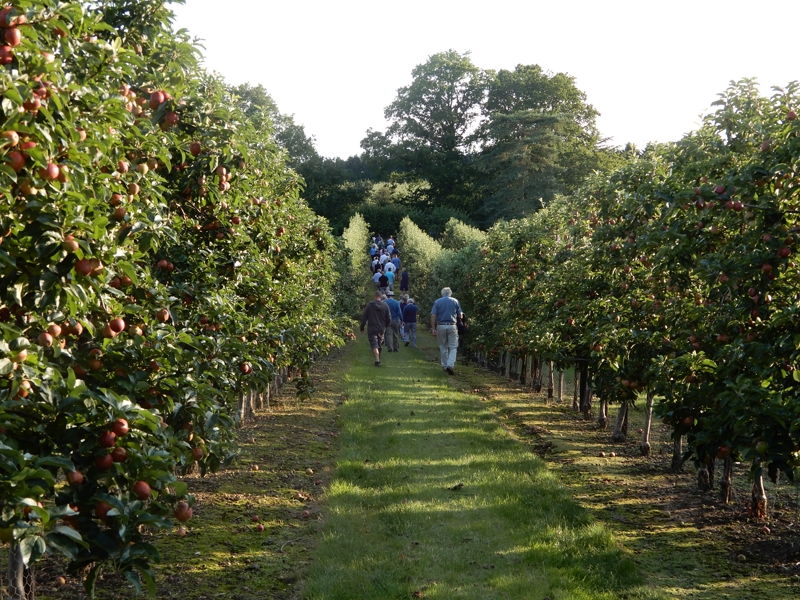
{"x": 621, "y": 428}
{"x": 677, "y": 453}
{"x": 586, "y": 393}
{"x": 560, "y": 389}
{"x": 575, "y": 390}
{"x": 550, "y": 383}
{"x": 702, "y": 479}
{"x": 712, "y": 467}
{"x": 540, "y": 377}
{"x": 644, "y": 446}
{"x": 758, "y": 506}
{"x": 726, "y": 483}
{"x": 523, "y": 375}
{"x": 21, "y": 579}
{"x": 602, "y": 420}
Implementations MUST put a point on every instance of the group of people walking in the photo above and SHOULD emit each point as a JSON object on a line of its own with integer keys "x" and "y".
{"x": 386, "y": 267}
{"x": 390, "y": 320}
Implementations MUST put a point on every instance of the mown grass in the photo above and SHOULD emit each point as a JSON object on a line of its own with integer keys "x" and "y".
{"x": 433, "y": 498}
{"x": 686, "y": 542}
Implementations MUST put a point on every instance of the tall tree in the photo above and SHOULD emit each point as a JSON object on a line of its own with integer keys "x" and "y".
{"x": 431, "y": 122}
{"x": 520, "y": 166}
{"x": 530, "y": 88}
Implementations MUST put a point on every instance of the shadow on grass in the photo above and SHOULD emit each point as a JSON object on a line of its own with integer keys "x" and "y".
{"x": 432, "y": 498}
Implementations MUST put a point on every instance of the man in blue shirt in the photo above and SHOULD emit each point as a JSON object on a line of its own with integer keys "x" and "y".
{"x": 393, "y": 331}
{"x": 444, "y": 314}
{"x": 410, "y": 322}
{"x": 390, "y": 276}
{"x": 396, "y": 262}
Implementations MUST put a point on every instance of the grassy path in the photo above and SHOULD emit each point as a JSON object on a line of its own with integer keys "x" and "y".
{"x": 433, "y": 499}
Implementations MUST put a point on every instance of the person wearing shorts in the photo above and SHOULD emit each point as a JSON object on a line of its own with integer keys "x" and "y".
{"x": 377, "y": 314}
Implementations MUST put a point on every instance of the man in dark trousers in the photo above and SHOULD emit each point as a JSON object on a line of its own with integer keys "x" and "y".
{"x": 393, "y": 332}
{"x": 376, "y": 313}
{"x": 383, "y": 283}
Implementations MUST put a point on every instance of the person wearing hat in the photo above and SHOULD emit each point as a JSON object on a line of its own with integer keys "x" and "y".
{"x": 393, "y": 331}
{"x": 376, "y": 313}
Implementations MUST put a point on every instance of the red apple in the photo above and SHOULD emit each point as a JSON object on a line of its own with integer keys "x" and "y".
{"x": 50, "y": 172}
{"x": 162, "y": 316}
{"x": 195, "y": 148}
{"x": 32, "y": 104}
{"x": 107, "y": 439}
{"x": 120, "y": 427}
{"x": 6, "y": 55}
{"x": 104, "y": 462}
{"x": 11, "y": 136}
{"x": 13, "y": 36}
{"x": 102, "y": 509}
{"x": 142, "y": 490}
{"x": 83, "y": 267}
{"x": 182, "y": 512}
{"x": 45, "y": 339}
{"x": 17, "y": 160}
{"x": 117, "y": 325}
{"x": 156, "y": 100}
{"x": 74, "y": 477}
{"x": 119, "y": 454}
{"x": 197, "y": 453}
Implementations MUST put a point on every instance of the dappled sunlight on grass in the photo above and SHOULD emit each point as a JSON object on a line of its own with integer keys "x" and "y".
{"x": 432, "y": 496}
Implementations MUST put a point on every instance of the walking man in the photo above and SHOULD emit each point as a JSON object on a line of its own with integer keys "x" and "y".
{"x": 444, "y": 314}
{"x": 383, "y": 283}
{"x": 404, "y": 280}
{"x": 393, "y": 332}
{"x": 410, "y": 320}
{"x": 376, "y": 313}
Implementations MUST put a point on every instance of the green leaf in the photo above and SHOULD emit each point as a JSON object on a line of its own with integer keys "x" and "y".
{"x": 89, "y": 584}
{"x": 56, "y": 461}
{"x": 20, "y": 343}
{"x": 134, "y": 579}
{"x": 69, "y": 532}
{"x": 129, "y": 270}
{"x": 12, "y": 94}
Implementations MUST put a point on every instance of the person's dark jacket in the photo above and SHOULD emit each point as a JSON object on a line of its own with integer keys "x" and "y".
{"x": 383, "y": 281}
{"x": 377, "y": 314}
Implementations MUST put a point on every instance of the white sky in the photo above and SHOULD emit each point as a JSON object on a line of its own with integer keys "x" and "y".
{"x": 650, "y": 68}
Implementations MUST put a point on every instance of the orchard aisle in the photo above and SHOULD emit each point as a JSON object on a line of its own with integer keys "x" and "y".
{"x": 432, "y": 498}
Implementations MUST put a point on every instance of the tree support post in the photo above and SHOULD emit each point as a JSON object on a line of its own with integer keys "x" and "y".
{"x": 644, "y": 446}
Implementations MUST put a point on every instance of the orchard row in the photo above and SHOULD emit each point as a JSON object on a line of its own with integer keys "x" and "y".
{"x": 156, "y": 265}
{"x": 673, "y": 278}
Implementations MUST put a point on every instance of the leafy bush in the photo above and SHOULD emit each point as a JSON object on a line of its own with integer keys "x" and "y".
{"x": 458, "y": 234}
{"x": 420, "y": 253}
{"x": 355, "y": 285}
